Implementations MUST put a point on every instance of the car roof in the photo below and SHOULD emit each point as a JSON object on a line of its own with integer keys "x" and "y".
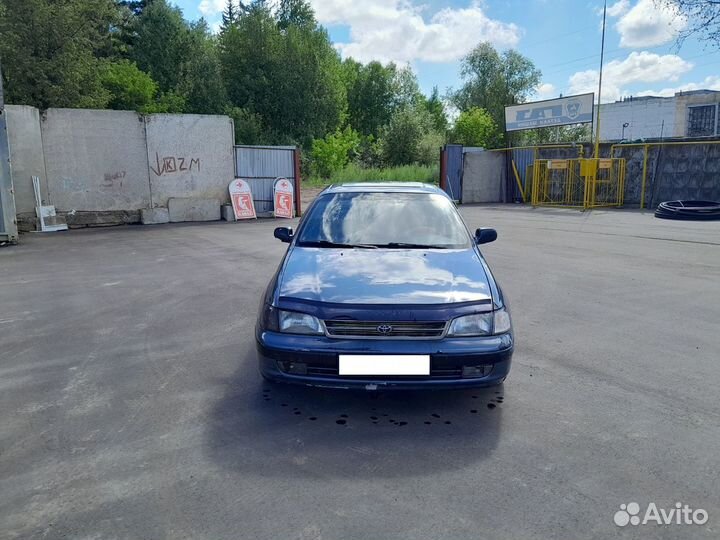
{"x": 380, "y": 187}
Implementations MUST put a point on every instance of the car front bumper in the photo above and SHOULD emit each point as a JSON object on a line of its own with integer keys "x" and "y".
{"x": 313, "y": 360}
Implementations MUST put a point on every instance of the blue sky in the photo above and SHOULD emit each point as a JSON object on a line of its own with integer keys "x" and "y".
{"x": 562, "y": 38}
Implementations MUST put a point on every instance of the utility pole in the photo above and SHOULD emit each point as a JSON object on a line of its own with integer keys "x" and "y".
{"x": 602, "y": 54}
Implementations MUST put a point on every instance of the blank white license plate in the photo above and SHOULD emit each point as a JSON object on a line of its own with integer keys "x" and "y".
{"x": 390, "y": 364}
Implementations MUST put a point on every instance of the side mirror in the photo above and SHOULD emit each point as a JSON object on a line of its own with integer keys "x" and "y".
{"x": 284, "y": 234}
{"x": 483, "y": 236}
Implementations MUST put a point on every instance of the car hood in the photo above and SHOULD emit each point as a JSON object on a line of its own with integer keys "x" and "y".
{"x": 384, "y": 276}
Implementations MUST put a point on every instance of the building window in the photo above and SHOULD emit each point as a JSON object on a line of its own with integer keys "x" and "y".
{"x": 701, "y": 120}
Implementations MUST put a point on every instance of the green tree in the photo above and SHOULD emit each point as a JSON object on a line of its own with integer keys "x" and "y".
{"x": 428, "y": 151}
{"x": 371, "y": 95}
{"x": 401, "y": 138}
{"x": 312, "y": 100}
{"x": 290, "y": 77}
{"x": 436, "y": 108}
{"x": 406, "y": 88}
{"x": 129, "y": 88}
{"x": 167, "y": 102}
{"x": 201, "y": 84}
{"x": 475, "y": 127}
{"x": 49, "y": 51}
{"x": 230, "y": 14}
{"x": 181, "y": 57}
{"x": 135, "y": 6}
{"x": 162, "y": 43}
{"x": 370, "y": 152}
{"x": 249, "y": 128}
{"x": 295, "y": 13}
{"x": 332, "y": 153}
{"x": 493, "y": 80}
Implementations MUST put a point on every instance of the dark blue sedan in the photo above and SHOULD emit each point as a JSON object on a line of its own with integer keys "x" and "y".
{"x": 383, "y": 286}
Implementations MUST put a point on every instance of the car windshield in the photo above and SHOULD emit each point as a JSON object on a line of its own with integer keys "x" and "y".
{"x": 389, "y": 220}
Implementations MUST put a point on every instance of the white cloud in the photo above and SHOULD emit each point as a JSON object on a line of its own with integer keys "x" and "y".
{"x": 637, "y": 67}
{"x": 711, "y": 82}
{"x": 211, "y": 7}
{"x": 649, "y": 23}
{"x": 396, "y": 30}
{"x": 618, "y": 8}
{"x": 546, "y": 91}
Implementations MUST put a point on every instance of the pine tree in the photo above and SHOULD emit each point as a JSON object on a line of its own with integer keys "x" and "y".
{"x": 232, "y": 12}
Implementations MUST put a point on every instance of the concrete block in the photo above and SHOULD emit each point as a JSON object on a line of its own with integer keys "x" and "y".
{"x": 191, "y": 209}
{"x": 153, "y": 216}
{"x": 26, "y": 155}
{"x": 483, "y": 177}
{"x": 190, "y": 155}
{"x": 227, "y": 212}
{"x": 105, "y": 218}
{"x": 96, "y": 160}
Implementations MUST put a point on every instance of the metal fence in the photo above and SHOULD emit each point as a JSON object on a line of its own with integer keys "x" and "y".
{"x": 520, "y": 161}
{"x": 578, "y": 183}
{"x": 663, "y": 171}
{"x": 261, "y": 166}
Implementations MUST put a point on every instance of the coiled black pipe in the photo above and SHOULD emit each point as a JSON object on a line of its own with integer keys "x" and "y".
{"x": 690, "y": 210}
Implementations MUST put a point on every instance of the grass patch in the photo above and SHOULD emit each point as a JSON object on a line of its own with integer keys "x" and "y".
{"x": 405, "y": 173}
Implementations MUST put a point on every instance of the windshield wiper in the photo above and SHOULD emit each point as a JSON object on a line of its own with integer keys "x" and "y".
{"x": 408, "y": 245}
{"x": 329, "y": 244}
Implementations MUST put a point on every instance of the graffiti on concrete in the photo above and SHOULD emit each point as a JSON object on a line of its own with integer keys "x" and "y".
{"x": 113, "y": 180}
{"x": 174, "y": 164}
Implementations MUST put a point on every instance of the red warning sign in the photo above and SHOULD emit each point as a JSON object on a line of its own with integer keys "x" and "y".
{"x": 283, "y": 198}
{"x": 242, "y": 201}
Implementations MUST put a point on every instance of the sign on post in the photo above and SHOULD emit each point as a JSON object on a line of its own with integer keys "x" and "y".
{"x": 557, "y": 164}
{"x": 242, "y": 201}
{"x": 283, "y": 198}
{"x": 551, "y": 112}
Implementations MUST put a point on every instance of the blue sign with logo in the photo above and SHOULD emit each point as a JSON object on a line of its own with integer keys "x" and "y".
{"x": 552, "y": 112}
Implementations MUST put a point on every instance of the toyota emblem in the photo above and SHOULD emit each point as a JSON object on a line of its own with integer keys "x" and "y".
{"x": 384, "y": 328}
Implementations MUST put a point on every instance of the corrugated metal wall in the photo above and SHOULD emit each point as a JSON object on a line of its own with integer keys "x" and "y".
{"x": 260, "y": 166}
{"x": 453, "y": 184}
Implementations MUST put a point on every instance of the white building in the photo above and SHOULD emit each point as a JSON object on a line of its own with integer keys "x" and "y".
{"x": 686, "y": 114}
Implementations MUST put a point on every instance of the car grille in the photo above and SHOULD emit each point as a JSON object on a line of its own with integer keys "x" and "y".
{"x": 382, "y": 330}
{"x": 332, "y": 371}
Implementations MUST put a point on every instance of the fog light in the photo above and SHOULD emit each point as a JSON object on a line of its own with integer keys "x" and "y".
{"x": 296, "y": 368}
{"x": 473, "y": 372}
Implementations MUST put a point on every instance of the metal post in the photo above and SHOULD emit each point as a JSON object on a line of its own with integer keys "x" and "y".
{"x": 298, "y": 179}
{"x": 602, "y": 55}
{"x": 443, "y": 168}
{"x": 644, "y": 178}
{"x": 517, "y": 179}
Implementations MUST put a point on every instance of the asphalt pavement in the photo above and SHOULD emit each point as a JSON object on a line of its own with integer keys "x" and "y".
{"x": 131, "y": 407}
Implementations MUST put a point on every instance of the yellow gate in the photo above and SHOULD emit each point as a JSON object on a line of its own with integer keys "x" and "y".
{"x": 578, "y": 182}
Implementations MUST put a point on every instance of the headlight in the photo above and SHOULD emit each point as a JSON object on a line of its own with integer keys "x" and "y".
{"x": 292, "y": 322}
{"x": 481, "y": 324}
